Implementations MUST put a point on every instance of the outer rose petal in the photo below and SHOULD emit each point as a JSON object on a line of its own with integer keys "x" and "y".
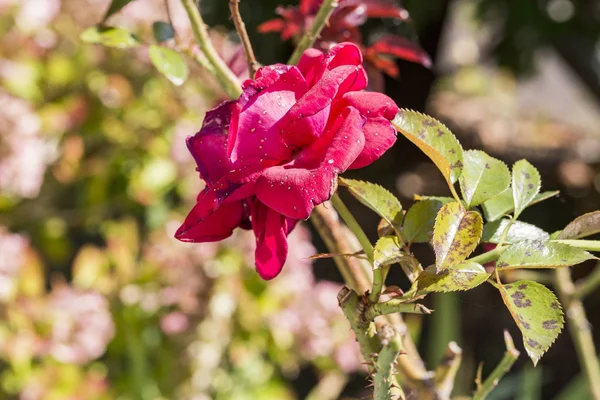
{"x": 252, "y": 134}
{"x": 307, "y": 119}
{"x": 270, "y": 229}
{"x": 209, "y": 145}
{"x": 379, "y": 133}
{"x": 207, "y": 224}
{"x": 294, "y": 189}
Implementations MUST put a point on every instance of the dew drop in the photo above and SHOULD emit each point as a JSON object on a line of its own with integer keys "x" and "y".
{"x": 330, "y": 161}
{"x": 252, "y": 129}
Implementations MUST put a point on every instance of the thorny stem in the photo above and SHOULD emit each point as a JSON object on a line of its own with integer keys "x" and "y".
{"x": 310, "y": 36}
{"x": 501, "y": 369}
{"x": 228, "y": 81}
{"x": 383, "y": 377}
{"x": 580, "y": 330}
{"x": 240, "y": 27}
{"x": 394, "y": 306}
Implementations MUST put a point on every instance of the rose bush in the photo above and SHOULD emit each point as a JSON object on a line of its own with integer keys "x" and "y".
{"x": 274, "y": 154}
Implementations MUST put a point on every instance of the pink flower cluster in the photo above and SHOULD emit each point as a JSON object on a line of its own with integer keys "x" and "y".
{"x": 271, "y": 156}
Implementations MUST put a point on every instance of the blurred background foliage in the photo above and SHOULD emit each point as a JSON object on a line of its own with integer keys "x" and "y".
{"x": 98, "y": 301}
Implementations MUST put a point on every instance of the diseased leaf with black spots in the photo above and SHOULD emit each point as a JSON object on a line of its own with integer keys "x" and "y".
{"x": 541, "y": 254}
{"x": 585, "y": 225}
{"x": 492, "y": 232}
{"x": 526, "y": 183}
{"x": 388, "y": 250}
{"x": 434, "y": 139}
{"x": 456, "y": 233}
{"x": 462, "y": 276}
{"x": 538, "y": 315}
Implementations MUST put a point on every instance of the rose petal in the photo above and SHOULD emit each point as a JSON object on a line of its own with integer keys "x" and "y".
{"x": 270, "y": 229}
{"x": 311, "y": 65}
{"x": 307, "y": 119}
{"x": 294, "y": 189}
{"x": 265, "y": 100}
{"x": 272, "y": 25}
{"x": 207, "y": 223}
{"x": 378, "y": 109}
{"x": 209, "y": 145}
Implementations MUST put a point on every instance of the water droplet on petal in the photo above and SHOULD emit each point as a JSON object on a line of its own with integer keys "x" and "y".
{"x": 330, "y": 161}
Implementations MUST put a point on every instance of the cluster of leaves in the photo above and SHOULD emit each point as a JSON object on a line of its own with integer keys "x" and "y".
{"x": 167, "y": 61}
{"x": 455, "y": 227}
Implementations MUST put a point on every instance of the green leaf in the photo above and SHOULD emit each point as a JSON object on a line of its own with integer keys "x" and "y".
{"x": 503, "y": 204}
{"x": 115, "y": 7}
{"x": 483, "y": 177}
{"x": 585, "y": 225}
{"x": 420, "y": 219}
{"x": 388, "y": 250}
{"x": 518, "y": 231}
{"x": 526, "y": 183}
{"x": 170, "y": 63}
{"x": 162, "y": 31}
{"x": 377, "y": 199}
{"x": 541, "y": 254}
{"x": 538, "y": 315}
{"x": 463, "y": 276}
{"x": 110, "y": 37}
{"x": 456, "y": 233}
{"x": 434, "y": 139}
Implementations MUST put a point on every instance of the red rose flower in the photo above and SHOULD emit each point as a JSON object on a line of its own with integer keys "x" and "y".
{"x": 274, "y": 154}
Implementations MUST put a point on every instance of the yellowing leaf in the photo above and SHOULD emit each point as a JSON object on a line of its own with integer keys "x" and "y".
{"x": 434, "y": 139}
{"x": 526, "y": 183}
{"x": 388, "y": 250}
{"x": 541, "y": 254}
{"x": 538, "y": 315}
{"x": 455, "y": 235}
{"x": 483, "y": 177}
{"x": 585, "y": 225}
{"x": 377, "y": 199}
{"x": 463, "y": 276}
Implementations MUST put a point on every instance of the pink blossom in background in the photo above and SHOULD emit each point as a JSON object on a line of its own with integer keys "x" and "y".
{"x": 81, "y": 325}
{"x": 24, "y": 154}
{"x": 274, "y": 154}
{"x": 12, "y": 258}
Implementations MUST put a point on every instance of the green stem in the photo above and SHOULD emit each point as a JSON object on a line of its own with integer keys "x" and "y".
{"x": 580, "y": 331}
{"x": 505, "y": 232}
{"x": 501, "y": 369}
{"x": 350, "y": 302}
{"x": 394, "y": 306}
{"x": 356, "y": 272}
{"x": 589, "y": 284}
{"x": 228, "y": 81}
{"x": 378, "y": 273}
{"x": 488, "y": 257}
{"x": 591, "y": 245}
{"x": 310, "y": 36}
{"x": 383, "y": 379}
